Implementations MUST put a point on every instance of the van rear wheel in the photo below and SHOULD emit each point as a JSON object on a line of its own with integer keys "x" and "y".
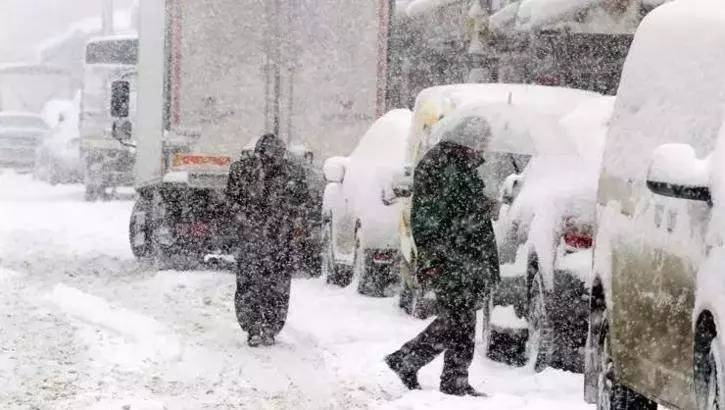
{"x": 540, "y": 342}
{"x": 708, "y": 375}
{"x": 611, "y": 394}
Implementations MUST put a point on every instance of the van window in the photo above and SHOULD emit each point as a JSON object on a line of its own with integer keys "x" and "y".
{"x": 112, "y": 52}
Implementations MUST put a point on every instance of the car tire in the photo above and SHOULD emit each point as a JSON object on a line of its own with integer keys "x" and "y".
{"x": 612, "y": 395}
{"x": 487, "y": 326}
{"x": 369, "y": 276}
{"x": 708, "y": 371}
{"x": 334, "y": 273}
{"x": 540, "y": 340}
{"x": 405, "y": 299}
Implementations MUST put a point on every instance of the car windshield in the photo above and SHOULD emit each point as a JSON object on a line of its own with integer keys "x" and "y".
{"x": 21, "y": 121}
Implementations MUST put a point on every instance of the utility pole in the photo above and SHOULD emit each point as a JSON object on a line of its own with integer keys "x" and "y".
{"x": 107, "y": 17}
{"x": 276, "y": 61}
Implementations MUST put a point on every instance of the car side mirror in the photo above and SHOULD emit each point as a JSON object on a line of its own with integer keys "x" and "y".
{"x": 510, "y": 189}
{"x": 334, "y": 170}
{"x": 400, "y": 187}
{"x": 122, "y": 131}
{"x": 676, "y": 172}
{"x": 120, "y": 99}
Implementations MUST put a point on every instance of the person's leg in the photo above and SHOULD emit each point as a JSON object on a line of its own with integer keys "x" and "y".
{"x": 418, "y": 352}
{"x": 460, "y": 345}
{"x": 246, "y": 300}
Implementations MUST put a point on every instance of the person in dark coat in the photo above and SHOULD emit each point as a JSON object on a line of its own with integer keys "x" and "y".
{"x": 267, "y": 195}
{"x": 458, "y": 259}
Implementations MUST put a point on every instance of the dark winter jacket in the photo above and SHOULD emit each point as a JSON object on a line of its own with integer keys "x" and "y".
{"x": 268, "y": 196}
{"x": 451, "y": 222}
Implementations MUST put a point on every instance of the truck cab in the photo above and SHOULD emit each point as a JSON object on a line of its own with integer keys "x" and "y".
{"x": 107, "y": 163}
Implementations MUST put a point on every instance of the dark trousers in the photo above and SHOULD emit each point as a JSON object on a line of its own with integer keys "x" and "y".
{"x": 262, "y": 296}
{"x": 452, "y": 332}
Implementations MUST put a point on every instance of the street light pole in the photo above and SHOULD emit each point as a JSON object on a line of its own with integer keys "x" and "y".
{"x": 277, "y": 71}
{"x": 107, "y": 17}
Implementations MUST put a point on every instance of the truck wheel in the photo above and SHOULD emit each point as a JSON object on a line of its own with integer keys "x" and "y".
{"x": 540, "y": 342}
{"x": 610, "y": 394}
{"x": 140, "y": 231}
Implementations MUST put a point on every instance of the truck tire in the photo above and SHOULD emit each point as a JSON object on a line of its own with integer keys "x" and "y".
{"x": 140, "y": 230}
{"x": 612, "y": 395}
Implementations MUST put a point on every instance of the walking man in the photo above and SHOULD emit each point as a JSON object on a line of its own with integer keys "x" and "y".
{"x": 457, "y": 256}
{"x": 267, "y": 195}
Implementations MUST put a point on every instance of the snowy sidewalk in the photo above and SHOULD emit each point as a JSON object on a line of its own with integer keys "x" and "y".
{"x": 85, "y": 326}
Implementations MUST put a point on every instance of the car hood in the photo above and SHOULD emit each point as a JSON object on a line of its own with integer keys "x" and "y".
{"x": 21, "y": 132}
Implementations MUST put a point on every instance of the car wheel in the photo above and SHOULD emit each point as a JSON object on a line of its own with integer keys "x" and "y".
{"x": 539, "y": 344}
{"x": 334, "y": 273}
{"x": 487, "y": 327}
{"x": 708, "y": 372}
{"x": 405, "y": 300}
{"x": 326, "y": 252}
{"x": 610, "y": 394}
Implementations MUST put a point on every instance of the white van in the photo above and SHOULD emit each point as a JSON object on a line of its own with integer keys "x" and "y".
{"x": 656, "y": 307}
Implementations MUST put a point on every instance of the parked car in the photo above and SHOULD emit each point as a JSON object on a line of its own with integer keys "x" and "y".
{"x": 360, "y": 232}
{"x": 58, "y": 158}
{"x": 544, "y": 232}
{"x": 435, "y": 104}
{"x": 21, "y": 133}
{"x": 656, "y": 306}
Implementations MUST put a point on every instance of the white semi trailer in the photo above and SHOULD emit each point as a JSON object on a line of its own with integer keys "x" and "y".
{"x": 214, "y": 74}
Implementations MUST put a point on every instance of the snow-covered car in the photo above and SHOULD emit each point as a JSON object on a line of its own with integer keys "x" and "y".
{"x": 360, "y": 232}
{"x": 21, "y": 133}
{"x": 58, "y": 158}
{"x": 436, "y": 103}
{"x": 544, "y": 231}
{"x": 656, "y": 309}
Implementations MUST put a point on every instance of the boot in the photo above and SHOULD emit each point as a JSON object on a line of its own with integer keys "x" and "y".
{"x": 461, "y": 390}
{"x": 268, "y": 340}
{"x": 254, "y": 340}
{"x": 407, "y": 375}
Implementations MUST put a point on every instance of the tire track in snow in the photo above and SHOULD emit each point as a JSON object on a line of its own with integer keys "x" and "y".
{"x": 142, "y": 339}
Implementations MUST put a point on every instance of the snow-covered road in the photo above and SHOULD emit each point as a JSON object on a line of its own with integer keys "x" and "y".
{"x": 83, "y": 325}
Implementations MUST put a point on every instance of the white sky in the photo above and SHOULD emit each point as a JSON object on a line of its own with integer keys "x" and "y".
{"x": 25, "y": 23}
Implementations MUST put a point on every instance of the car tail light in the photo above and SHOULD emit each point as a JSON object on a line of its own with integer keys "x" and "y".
{"x": 549, "y": 79}
{"x": 196, "y": 230}
{"x": 384, "y": 257}
{"x": 577, "y": 236}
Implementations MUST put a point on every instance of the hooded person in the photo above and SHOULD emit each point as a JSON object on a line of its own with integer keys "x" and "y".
{"x": 267, "y": 194}
{"x": 457, "y": 256}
